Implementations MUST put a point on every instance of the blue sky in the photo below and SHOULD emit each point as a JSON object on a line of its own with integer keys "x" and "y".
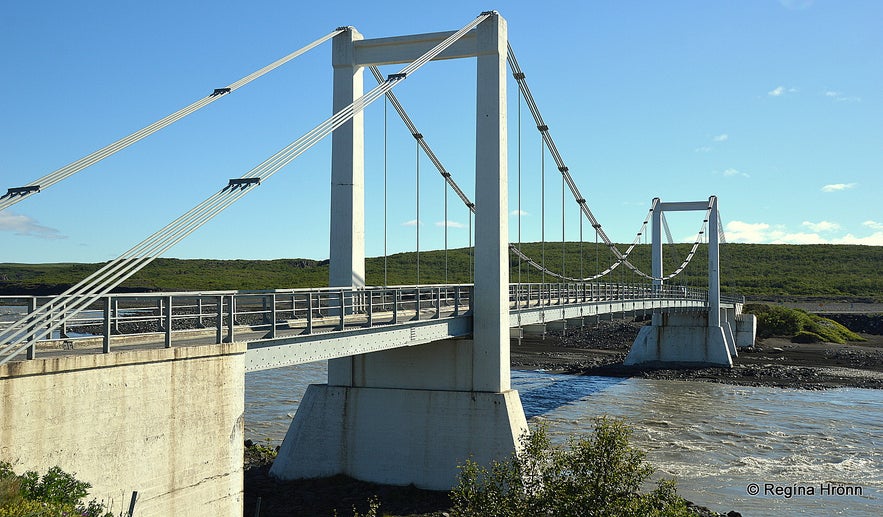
{"x": 772, "y": 105}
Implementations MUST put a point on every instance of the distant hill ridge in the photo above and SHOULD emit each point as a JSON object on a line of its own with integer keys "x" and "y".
{"x": 768, "y": 271}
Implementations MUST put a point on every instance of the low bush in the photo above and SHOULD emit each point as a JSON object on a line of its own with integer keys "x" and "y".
{"x": 55, "y": 494}
{"x": 800, "y": 326}
{"x": 596, "y": 475}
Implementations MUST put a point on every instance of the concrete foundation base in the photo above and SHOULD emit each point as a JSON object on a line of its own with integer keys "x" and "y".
{"x": 746, "y": 330}
{"x": 682, "y": 339}
{"x": 398, "y": 436}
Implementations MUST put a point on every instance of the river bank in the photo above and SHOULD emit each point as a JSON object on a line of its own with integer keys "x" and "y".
{"x": 777, "y": 362}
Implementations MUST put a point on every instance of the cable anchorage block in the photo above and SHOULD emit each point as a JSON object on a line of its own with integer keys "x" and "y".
{"x": 400, "y": 75}
{"x": 446, "y": 174}
{"x": 543, "y": 127}
{"x": 417, "y": 136}
{"x": 344, "y": 28}
{"x": 581, "y": 201}
{"x": 519, "y": 76}
{"x": 220, "y": 91}
{"x": 489, "y": 13}
{"x": 22, "y": 191}
{"x": 563, "y": 169}
{"x": 243, "y": 182}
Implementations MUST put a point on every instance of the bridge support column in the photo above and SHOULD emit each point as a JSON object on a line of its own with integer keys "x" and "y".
{"x": 746, "y": 330}
{"x": 410, "y": 417}
{"x": 682, "y": 338}
{"x": 413, "y": 414}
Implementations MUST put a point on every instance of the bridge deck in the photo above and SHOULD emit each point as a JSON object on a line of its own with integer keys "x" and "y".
{"x": 374, "y": 319}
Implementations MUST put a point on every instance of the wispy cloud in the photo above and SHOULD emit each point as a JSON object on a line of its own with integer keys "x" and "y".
{"x": 837, "y": 187}
{"x": 731, "y": 172}
{"x": 412, "y": 222}
{"x": 703, "y": 149}
{"x": 721, "y": 138}
{"x": 821, "y": 226}
{"x": 24, "y": 225}
{"x": 874, "y": 225}
{"x": 451, "y": 224}
{"x": 840, "y": 97}
{"x": 516, "y": 212}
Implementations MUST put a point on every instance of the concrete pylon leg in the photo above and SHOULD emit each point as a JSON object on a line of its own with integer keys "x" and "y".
{"x": 413, "y": 414}
{"x": 681, "y": 338}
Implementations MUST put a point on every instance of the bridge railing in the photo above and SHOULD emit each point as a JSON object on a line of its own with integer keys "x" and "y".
{"x": 207, "y": 317}
{"x": 159, "y": 319}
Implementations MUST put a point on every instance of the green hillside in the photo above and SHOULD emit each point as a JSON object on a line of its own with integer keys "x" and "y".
{"x": 755, "y": 270}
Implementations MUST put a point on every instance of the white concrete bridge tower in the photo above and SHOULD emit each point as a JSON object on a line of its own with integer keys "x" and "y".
{"x": 412, "y": 414}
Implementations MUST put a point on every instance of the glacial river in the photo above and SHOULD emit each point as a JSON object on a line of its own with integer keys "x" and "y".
{"x": 806, "y": 452}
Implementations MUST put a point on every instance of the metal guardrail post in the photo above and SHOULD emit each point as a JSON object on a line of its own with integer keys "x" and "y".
{"x": 342, "y": 323}
{"x": 231, "y": 317}
{"x": 309, "y": 313}
{"x": 395, "y": 305}
{"x": 438, "y": 301}
{"x": 417, "y": 304}
{"x": 456, "y": 301}
{"x": 159, "y": 316}
{"x": 116, "y": 315}
{"x": 273, "y": 315}
{"x": 370, "y": 295}
{"x": 219, "y": 320}
{"x": 32, "y": 350}
{"x": 199, "y": 309}
{"x": 105, "y": 341}
{"x": 168, "y": 338}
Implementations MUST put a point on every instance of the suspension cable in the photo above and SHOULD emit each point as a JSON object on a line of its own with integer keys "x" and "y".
{"x": 100, "y": 283}
{"x": 543, "y": 205}
{"x": 550, "y": 143}
{"x": 385, "y": 191}
{"x": 14, "y": 195}
{"x": 417, "y": 175}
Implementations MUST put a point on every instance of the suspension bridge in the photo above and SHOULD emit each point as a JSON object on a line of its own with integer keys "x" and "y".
{"x": 418, "y": 376}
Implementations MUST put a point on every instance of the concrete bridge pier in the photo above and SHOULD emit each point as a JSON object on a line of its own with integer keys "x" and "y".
{"x": 682, "y": 338}
{"x": 412, "y": 415}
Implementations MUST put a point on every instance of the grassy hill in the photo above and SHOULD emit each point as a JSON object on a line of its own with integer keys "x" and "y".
{"x": 755, "y": 270}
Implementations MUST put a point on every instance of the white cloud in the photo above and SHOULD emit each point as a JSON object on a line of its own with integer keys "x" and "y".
{"x": 778, "y": 91}
{"x": 822, "y": 226}
{"x": 764, "y": 233}
{"x": 516, "y": 212}
{"x": 739, "y": 231}
{"x": 412, "y": 222}
{"x": 703, "y": 149}
{"x": 451, "y": 224}
{"x": 721, "y": 138}
{"x": 836, "y": 187}
{"x": 24, "y": 225}
{"x": 875, "y": 239}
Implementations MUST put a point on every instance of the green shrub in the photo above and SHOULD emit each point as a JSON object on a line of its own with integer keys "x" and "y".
{"x": 596, "y": 475}
{"x": 800, "y": 326}
{"x": 56, "y": 493}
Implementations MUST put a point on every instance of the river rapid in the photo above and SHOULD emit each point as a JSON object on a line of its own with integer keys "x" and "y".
{"x": 805, "y": 452}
